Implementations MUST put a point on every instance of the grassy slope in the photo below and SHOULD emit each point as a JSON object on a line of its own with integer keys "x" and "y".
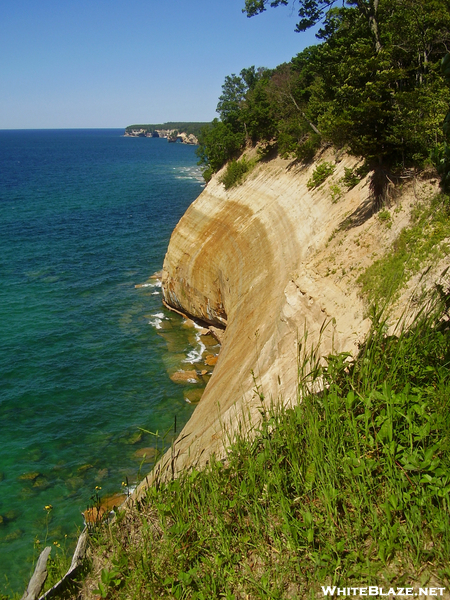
{"x": 349, "y": 488}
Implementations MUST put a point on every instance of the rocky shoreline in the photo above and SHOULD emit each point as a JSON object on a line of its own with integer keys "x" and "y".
{"x": 172, "y": 135}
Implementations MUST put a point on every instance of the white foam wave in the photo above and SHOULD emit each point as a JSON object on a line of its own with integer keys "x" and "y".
{"x": 156, "y": 284}
{"x": 195, "y": 355}
{"x": 189, "y": 173}
{"x": 158, "y": 318}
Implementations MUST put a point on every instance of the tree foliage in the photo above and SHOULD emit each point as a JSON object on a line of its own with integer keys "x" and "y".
{"x": 218, "y": 143}
{"x": 373, "y": 85}
{"x": 441, "y": 154}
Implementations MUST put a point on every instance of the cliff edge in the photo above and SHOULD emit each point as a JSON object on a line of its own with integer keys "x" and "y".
{"x": 269, "y": 260}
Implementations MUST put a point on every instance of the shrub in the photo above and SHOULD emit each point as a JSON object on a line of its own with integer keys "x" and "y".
{"x": 236, "y": 169}
{"x": 320, "y": 174}
{"x": 351, "y": 177}
{"x": 307, "y": 150}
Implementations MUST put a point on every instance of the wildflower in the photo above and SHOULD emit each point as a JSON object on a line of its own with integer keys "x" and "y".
{"x": 48, "y": 507}
{"x": 97, "y": 487}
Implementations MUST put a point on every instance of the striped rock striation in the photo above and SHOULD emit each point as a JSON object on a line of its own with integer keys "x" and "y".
{"x": 269, "y": 260}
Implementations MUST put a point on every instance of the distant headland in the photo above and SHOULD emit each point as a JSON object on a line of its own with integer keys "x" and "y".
{"x": 187, "y": 133}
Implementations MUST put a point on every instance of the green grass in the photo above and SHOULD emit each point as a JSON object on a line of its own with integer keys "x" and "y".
{"x": 350, "y": 487}
{"x": 419, "y": 245}
{"x": 384, "y": 216}
{"x": 335, "y": 193}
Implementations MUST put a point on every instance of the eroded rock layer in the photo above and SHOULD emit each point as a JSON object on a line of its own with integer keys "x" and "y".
{"x": 242, "y": 259}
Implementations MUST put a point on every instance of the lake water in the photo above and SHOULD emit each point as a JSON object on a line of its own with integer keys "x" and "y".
{"x": 85, "y": 216}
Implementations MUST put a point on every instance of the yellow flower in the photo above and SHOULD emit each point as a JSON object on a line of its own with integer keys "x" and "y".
{"x": 48, "y": 507}
{"x": 97, "y": 487}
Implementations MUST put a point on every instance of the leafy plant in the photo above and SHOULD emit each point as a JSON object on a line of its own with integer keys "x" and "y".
{"x": 109, "y": 579}
{"x": 320, "y": 174}
{"x": 351, "y": 178}
{"x": 336, "y": 193}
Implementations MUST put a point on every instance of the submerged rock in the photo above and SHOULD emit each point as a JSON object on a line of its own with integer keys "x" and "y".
{"x": 134, "y": 438}
{"x": 14, "y": 535}
{"x": 185, "y": 377}
{"x": 85, "y": 468}
{"x": 104, "y": 507}
{"x": 148, "y": 454}
{"x": 41, "y": 482}
{"x": 30, "y": 476}
{"x": 211, "y": 359}
{"x": 209, "y": 340}
{"x": 74, "y": 483}
{"x": 102, "y": 473}
{"x": 11, "y": 515}
{"x": 194, "y": 395}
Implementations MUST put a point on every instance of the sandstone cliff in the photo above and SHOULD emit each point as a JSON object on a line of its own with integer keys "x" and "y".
{"x": 171, "y": 134}
{"x": 268, "y": 261}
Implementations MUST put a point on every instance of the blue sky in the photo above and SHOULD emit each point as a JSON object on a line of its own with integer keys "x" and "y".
{"x": 112, "y": 63}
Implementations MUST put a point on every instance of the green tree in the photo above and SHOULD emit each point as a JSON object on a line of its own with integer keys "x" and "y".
{"x": 218, "y": 143}
{"x": 258, "y": 113}
{"x": 231, "y": 99}
{"x": 234, "y": 93}
{"x": 441, "y": 155}
{"x": 377, "y": 91}
{"x": 384, "y": 105}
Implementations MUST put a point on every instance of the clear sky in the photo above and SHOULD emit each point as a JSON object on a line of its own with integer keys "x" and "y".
{"x": 113, "y": 63}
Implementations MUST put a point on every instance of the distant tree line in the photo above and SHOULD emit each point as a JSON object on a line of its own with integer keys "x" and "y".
{"x": 373, "y": 85}
{"x": 181, "y": 127}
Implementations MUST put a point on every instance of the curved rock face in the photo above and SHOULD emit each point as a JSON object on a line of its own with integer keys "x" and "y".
{"x": 243, "y": 259}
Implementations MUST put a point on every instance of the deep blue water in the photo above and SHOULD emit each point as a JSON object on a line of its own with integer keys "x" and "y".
{"x": 85, "y": 215}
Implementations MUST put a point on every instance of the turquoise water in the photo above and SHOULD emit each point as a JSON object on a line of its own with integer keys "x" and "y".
{"x": 85, "y": 215}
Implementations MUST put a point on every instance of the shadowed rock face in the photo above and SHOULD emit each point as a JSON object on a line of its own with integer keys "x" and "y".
{"x": 241, "y": 259}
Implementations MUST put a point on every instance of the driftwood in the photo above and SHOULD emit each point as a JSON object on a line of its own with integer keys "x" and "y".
{"x": 77, "y": 561}
{"x": 37, "y": 581}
